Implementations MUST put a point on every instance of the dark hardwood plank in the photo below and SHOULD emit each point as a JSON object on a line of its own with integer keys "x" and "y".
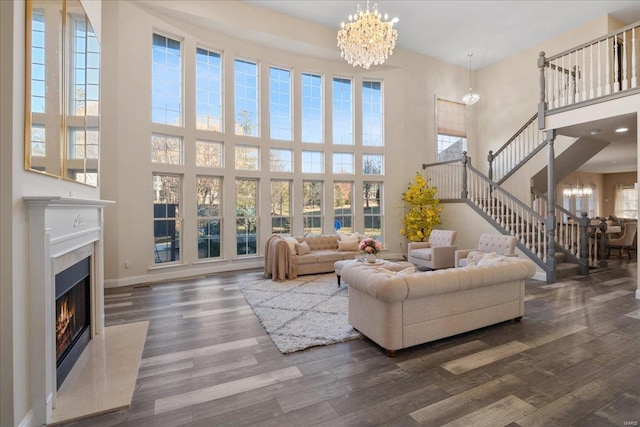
{"x": 579, "y": 363}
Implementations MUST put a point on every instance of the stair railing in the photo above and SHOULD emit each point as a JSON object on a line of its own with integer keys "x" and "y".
{"x": 574, "y": 235}
{"x": 458, "y": 180}
{"x": 523, "y": 145}
{"x": 606, "y": 67}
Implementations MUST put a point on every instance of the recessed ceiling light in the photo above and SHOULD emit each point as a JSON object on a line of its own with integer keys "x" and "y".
{"x": 594, "y": 131}
{"x": 622, "y": 130}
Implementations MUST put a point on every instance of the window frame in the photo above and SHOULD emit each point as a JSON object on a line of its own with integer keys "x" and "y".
{"x": 369, "y": 231}
{"x": 311, "y": 219}
{"x": 277, "y": 214}
{"x": 335, "y": 113}
{"x": 310, "y": 125}
{"x": 180, "y": 84}
{"x": 211, "y": 220}
{"x": 368, "y": 138}
{"x": 289, "y": 105}
{"x": 255, "y": 130}
{"x": 337, "y": 203}
{"x": 176, "y": 242}
{"x": 220, "y": 84}
{"x": 250, "y": 221}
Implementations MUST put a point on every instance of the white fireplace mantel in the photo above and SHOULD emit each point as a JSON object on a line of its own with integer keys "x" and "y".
{"x": 62, "y": 230}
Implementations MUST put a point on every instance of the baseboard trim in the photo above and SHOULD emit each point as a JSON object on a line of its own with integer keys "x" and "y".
{"x": 201, "y": 269}
{"x": 193, "y": 271}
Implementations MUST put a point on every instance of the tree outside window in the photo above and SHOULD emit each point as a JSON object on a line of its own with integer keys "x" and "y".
{"x": 281, "y": 207}
{"x": 209, "y": 219}
{"x": 312, "y": 207}
{"x": 166, "y": 218}
{"x": 343, "y": 207}
{"x": 246, "y": 216}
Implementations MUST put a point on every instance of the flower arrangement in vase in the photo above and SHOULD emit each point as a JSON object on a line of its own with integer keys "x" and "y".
{"x": 370, "y": 248}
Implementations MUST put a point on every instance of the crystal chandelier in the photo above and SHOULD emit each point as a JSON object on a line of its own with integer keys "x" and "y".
{"x": 577, "y": 191}
{"x": 470, "y": 98}
{"x": 367, "y": 38}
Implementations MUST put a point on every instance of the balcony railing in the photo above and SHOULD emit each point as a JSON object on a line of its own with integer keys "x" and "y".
{"x": 606, "y": 67}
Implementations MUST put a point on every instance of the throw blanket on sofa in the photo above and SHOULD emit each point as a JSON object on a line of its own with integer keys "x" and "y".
{"x": 278, "y": 262}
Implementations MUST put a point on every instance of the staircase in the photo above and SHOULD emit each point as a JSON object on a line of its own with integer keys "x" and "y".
{"x": 559, "y": 251}
{"x": 558, "y": 241}
{"x": 565, "y": 269}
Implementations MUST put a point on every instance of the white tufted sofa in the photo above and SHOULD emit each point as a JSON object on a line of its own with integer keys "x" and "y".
{"x": 438, "y": 252}
{"x": 402, "y": 310}
{"x": 499, "y": 243}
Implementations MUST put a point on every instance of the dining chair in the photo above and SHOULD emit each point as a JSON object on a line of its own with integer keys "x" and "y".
{"x": 625, "y": 241}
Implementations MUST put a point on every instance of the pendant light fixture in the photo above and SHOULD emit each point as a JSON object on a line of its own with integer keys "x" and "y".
{"x": 471, "y": 97}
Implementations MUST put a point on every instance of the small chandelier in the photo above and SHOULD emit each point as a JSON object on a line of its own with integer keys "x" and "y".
{"x": 577, "y": 191}
{"x": 470, "y": 98}
{"x": 367, "y": 38}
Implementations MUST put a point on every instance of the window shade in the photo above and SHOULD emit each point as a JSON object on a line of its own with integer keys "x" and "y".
{"x": 451, "y": 118}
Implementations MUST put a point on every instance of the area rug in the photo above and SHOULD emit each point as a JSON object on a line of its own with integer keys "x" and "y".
{"x": 301, "y": 313}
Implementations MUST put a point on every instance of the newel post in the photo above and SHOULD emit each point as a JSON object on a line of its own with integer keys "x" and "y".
{"x": 490, "y": 159}
{"x": 583, "y": 221}
{"x": 465, "y": 161}
{"x": 542, "y": 106}
{"x": 604, "y": 246}
{"x": 551, "y": 207}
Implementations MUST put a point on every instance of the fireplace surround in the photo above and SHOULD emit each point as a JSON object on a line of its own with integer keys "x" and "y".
{"x": 62, "y": 233}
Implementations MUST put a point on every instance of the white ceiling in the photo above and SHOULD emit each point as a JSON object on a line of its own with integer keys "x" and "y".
{"x": 450, "y": 30}
{"x": 621, "y": 153}
{"x": 492, "y": 31}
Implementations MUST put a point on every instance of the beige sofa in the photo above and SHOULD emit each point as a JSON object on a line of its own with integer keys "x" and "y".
{"x": 282, "y": 260}
{"x": 399, "y": 311}
{"x": 501, "y": 244}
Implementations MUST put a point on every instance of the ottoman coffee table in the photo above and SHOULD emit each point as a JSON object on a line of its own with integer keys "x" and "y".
{"x": 389, "y": 265}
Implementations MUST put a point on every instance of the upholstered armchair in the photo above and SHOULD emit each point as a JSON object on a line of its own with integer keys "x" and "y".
{"x": 438, "y": 252}
{"x": 626, "y": 241}
{"x": 499, "y": 243}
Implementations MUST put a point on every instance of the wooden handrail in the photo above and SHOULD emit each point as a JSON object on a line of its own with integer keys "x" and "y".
{"x": 513, "y": 198}
{"x": 426, "y": 165}
{"x": 594, "y": 41}
{"x": 515, "y": 135}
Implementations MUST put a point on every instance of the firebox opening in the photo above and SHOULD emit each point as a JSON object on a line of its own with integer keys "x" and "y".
{"x": 73, "y": 314}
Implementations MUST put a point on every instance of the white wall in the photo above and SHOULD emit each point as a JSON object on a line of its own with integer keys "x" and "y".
{"x": 7, "y": 396}
{"x": 510, "y": 89}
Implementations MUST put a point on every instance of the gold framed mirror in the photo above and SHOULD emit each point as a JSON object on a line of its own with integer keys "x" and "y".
{"x": 62, "y": 91}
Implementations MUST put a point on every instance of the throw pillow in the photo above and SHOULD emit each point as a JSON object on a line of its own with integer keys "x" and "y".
{"x": 491, "y": 258}
{"x": 303, "y": 248}
{"x": 408, "y": 270}
{"x": 292, "y": 242}
{"x": 346, "y": 237}
{"x": 474, "y": 257}
{"x": 348, "y": 245}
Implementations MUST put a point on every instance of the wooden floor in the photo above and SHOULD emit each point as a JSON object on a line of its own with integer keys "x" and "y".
{"x": 573, "y": 360}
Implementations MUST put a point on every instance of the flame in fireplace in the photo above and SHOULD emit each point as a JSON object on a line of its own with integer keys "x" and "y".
{"x": 65, "y": 324}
